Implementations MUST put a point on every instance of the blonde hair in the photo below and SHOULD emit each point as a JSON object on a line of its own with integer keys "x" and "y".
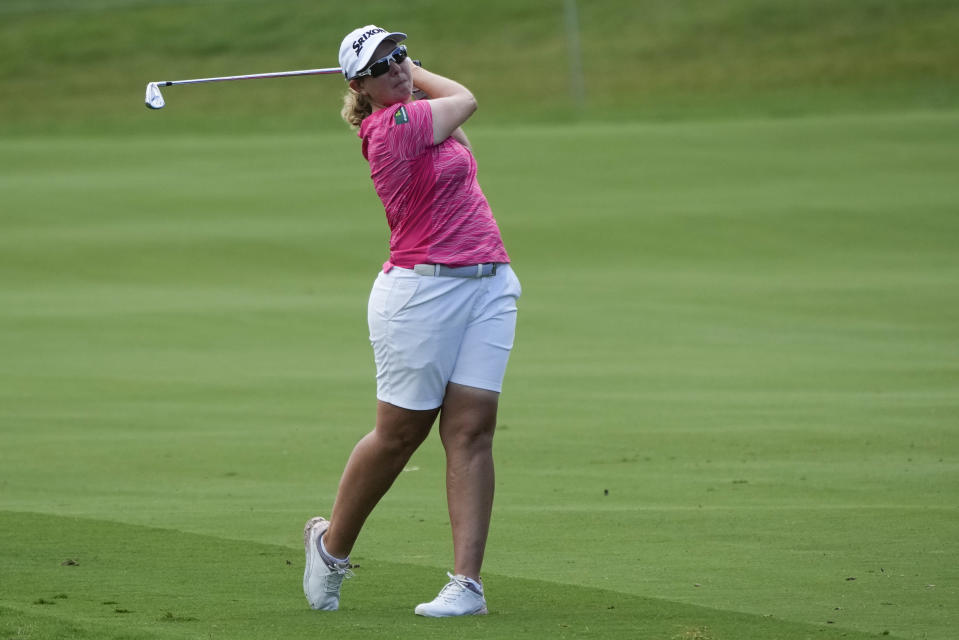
{"x": 356, "y": 107}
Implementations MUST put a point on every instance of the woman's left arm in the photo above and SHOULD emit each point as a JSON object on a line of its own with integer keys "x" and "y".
{"x": 458, "y": 134}
{"x": 450, "y": 102}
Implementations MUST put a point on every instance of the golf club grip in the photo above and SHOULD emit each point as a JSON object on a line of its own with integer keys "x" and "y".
{"x": 419, "y": 94}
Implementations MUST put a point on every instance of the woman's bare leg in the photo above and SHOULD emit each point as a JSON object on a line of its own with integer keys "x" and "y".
{"x": 467, "y": 423}
{"x": 376, "y": 461}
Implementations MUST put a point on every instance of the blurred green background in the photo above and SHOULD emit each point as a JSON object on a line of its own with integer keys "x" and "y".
{"x": 732, "y": 408}
{"x": 84, "y": 64}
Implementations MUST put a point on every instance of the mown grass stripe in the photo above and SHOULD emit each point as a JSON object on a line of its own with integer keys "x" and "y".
{"x": 143, "y": 582}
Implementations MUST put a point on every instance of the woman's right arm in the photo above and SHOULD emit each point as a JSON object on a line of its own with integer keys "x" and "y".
{"x": 451, "y": 103}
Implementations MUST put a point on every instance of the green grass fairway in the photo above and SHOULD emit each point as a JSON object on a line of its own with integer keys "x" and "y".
{"x": 731, "y": 413}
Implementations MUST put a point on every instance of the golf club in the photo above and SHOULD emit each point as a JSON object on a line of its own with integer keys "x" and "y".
{"x": 154, "y": 99}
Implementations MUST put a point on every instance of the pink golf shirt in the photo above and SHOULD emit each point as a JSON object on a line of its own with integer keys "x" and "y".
{"x": 435, "y": 208}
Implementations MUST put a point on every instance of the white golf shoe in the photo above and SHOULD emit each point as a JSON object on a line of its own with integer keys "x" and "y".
{"x": 321, "y": 579}
{"x": 457, "y": 598}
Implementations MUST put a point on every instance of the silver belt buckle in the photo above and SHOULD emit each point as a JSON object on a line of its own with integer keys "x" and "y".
{"x": 426, "y": 269}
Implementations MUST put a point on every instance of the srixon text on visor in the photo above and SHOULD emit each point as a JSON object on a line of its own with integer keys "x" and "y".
{"x": 358, "y": 44}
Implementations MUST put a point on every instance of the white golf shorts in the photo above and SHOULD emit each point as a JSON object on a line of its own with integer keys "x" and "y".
{"x": 428, "y": 331}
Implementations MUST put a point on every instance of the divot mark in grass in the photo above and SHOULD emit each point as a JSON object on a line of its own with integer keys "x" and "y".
{"x": 43, "y": 601}
{"x": 69, "y": 562}
{"x": 170, "y": 617}
{"x": 119, "y": 610}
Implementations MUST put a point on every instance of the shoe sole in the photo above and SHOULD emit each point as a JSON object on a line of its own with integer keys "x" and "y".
{"x": 480, "y": 612}
{"x": 307, "y": 531}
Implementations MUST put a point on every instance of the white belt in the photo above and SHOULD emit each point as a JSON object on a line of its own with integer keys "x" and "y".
{"x": 483, "y": 270}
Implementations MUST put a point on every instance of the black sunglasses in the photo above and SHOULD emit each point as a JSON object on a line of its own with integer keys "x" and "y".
{"x": 381, "y": 66}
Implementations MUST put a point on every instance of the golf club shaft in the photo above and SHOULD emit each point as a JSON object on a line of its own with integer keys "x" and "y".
{"x": 154, "y": 99}
{"x": 254, "y": 76}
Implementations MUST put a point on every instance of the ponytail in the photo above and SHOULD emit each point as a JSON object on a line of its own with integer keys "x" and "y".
{"x": 356, "y": 107}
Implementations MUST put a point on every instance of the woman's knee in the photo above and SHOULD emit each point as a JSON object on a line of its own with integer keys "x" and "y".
{"x": 401, "y": 442}
{"x": 468, "y": 434}
{"x": 469, "y": 418}
{"x": 403, "y": 431}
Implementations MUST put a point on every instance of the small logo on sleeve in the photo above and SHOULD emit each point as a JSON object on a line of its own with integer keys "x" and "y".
{"x": 401, "y": 117}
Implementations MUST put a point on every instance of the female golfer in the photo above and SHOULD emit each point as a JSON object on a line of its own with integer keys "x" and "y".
{"x": 442, "y": 315}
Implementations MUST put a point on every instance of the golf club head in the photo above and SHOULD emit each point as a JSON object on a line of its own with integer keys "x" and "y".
{"x": 154, "y": 99}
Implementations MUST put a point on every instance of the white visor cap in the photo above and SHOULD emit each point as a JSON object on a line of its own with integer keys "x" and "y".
{"x": 358, "y": 46}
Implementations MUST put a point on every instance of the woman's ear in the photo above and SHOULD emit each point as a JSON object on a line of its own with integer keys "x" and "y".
{"x": 356, "y": 84}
